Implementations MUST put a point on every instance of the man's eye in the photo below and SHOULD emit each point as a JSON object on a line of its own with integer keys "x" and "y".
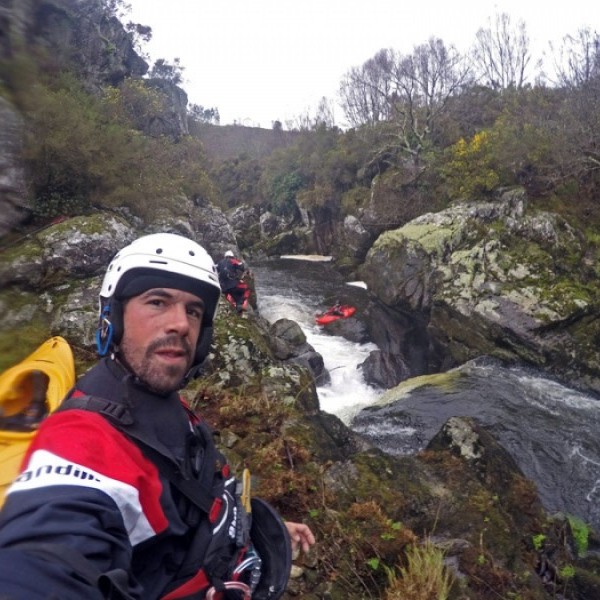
{"x": 194, "y": 312}
{"x": 156, "y": 301}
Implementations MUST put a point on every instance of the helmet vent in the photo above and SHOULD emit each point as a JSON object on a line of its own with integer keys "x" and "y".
{"x": 158, "y": 262}
{"x": 192, "y": 253}
{"x": 159, "y": 251}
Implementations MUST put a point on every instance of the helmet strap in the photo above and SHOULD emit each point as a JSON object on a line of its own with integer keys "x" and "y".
{"x": 203, "y": 344}
{"x": 104, "y": 333}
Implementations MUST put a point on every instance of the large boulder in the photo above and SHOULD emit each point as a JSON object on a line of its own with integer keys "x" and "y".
{"x": 245, "y": 221}
{"x": 494, "y": 278}
{"x": 288, "y": 343}
{"x": 49, "y": 283}
{"x": 76, "y": 248}
{"x": 212, "y": 228}
{"x": 356, "y": 237}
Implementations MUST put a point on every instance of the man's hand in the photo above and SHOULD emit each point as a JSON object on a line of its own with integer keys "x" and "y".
{"x": 300, "y": 535}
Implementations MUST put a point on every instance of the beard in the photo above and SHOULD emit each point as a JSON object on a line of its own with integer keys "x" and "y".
{"x": 156, "y": 376}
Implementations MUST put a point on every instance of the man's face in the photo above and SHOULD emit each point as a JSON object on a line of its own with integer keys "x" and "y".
{"x": 160, "y": 331}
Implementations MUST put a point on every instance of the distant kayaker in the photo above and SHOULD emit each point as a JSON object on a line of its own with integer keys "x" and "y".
{"x": 336, "y": 310}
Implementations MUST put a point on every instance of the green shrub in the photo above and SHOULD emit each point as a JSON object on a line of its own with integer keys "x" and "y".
{"x": 284, "y": 189}
{"x": 580, "y": 533}
{"x": 85, "y": 152}
{"x": 470, "y": 171}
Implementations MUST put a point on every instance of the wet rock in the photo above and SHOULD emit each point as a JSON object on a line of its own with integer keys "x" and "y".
{"x": 288, "y": 343}
{"x": 384, "y": 370}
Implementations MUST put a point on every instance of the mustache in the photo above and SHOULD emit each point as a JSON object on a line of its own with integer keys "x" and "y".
{"x": 171, "y": 341}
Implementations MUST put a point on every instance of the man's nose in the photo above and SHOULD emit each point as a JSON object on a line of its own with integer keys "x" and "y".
{"x": 178, "y": 320}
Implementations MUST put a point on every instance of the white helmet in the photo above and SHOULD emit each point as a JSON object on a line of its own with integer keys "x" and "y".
{"x": 157, "y": 260}
{"x": 229, "y": 253}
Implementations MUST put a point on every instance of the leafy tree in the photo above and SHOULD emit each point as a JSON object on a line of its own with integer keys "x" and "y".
{"x": 519, "y": 148}
{"x": 117, "y": 8}
{"x": 84, "y": 152}
{"x": 134, "y": 103}
{"x": 64, "y": 126}
{"x": 238, "y": 181}
{"x": 140, "y": 34}
{"x": 204, "y": 115}
{"x": 167, "y": 71}
{"x": 283, "y": 193}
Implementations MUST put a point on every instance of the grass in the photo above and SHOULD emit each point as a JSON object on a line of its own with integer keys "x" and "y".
{"x": 425, "y": 576}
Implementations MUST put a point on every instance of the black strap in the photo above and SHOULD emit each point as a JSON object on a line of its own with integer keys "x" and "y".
{"x": 114, "y": 411}
{"x": 197, "y": 483}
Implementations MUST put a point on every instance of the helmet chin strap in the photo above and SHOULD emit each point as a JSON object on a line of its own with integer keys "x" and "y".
{"x": 104, "y": 333}
{"x": 191, "y": 374}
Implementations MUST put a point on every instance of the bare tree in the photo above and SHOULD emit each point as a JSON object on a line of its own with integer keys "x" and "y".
{"x": 300, "y": 122}
{"x": 305, "y": 121}
{"x": 324, "y": 115}
{"x": 365, "y": 91}
{"x": 408, "y": 92}
{"x": 577, "y": 60}
{"x": 422, "y": 85}
{"x": 577, "y": 66}
{"x": 501, "y": 54}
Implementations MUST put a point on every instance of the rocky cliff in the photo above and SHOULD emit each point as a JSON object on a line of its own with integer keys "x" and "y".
{"x": 86, "y": 39}
{"x": 76, "y": 33}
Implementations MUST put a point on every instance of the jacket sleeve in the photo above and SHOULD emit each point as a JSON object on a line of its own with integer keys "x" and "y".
{"x": 85, "y": 486}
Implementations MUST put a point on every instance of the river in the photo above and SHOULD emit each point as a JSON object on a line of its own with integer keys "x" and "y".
{"x": 300, "y": 289}
{"x": 551, "y": 430}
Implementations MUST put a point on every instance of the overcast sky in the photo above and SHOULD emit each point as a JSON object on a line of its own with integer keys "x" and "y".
{"x": 263, "y": 60}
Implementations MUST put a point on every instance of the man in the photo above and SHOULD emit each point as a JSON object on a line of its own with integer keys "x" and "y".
{"x": 123, "y": 494}
{"x": 231, "y": 272}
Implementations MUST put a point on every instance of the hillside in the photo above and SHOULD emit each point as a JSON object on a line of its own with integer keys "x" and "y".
{"x": 223, "y": 142}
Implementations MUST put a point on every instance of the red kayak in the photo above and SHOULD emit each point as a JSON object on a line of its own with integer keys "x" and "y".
{"x": 334, "y": 313}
